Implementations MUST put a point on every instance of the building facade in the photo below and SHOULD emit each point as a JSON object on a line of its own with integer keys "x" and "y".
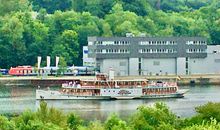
{"x": 154, "y": 55}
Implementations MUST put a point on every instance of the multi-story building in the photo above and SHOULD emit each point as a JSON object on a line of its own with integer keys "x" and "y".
{"x": 154, "y": 55}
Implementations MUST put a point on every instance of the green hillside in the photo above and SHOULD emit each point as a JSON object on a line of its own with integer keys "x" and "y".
{"x": 29, "y": 28}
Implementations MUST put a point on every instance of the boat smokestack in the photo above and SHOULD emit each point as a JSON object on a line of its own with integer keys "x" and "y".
{"x": 111, "y": 74}
{"x": 48, "y": 61}
{"x": 38, "y": 62}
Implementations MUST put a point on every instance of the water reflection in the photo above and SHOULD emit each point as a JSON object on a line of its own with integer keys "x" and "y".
{"x": 15, "y": 99}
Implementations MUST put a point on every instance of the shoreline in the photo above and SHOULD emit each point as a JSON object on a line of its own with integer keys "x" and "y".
{"x": 208, "y": 79}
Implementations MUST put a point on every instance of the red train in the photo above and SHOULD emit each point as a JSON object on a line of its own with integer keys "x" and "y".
{"x": 31, "y": 71}
{"x": 22, "y": 70}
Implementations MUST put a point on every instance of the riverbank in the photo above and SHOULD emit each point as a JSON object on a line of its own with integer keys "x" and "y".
{"x": 213, "y": 79}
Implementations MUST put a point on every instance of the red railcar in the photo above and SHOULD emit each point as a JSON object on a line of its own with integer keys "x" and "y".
{"x": 22, "y": 71}
{"x": 31, "y": 71}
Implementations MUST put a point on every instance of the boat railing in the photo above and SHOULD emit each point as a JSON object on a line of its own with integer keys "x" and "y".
{"x": 71, "y": 85}
{"x": 163, "y": 84}
{"x": 79, "y": 93}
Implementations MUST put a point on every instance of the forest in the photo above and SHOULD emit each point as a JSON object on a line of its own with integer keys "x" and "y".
{"x": 156, "y": 117}
{"x": 31, "y": 28}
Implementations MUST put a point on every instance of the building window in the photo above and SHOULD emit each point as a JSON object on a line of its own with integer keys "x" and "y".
{"x": 144, "y": 43}
{"x": 170, "y": 51}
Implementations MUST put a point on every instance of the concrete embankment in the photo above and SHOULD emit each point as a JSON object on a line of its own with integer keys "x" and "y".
{"x": 51, "y": 81}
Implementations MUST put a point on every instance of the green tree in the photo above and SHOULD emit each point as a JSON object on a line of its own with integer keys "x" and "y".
{"x": 209, "y": 110}
{"x": 51, "y": 5}
{"x": 115, "y": 123}
{"x": 51, "y": 116}
{"x": 139, "y": 7}
{"x": 122, "y": 22}
{"x": 213, "y": 125}
{"x": 67, "y": 46}
{"x": 107, "y": 32}
{"x": 27, "y": 121}
{"x": 11, "y": 43}
{"x": 9, "y": 6}
{"x": 39, "y": 39}
{"x": 96, "y": 125}
{"x": 153, "y": 117}
{"x": 6, "y": 124}
{"x": 74, "y": 121}
{"x": 96, "y": 7}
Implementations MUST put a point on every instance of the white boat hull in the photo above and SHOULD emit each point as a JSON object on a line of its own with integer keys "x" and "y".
{"x": 56, "y": 95}
{"x": 178, "y": 94}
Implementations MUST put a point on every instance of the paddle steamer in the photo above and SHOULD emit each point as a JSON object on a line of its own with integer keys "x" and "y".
{"x": 104, "y": 87}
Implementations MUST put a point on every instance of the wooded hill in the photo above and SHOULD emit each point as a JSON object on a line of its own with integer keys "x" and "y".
{"x": 31, "y": 28}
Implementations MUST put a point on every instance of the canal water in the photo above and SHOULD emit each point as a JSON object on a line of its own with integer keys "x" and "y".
{"x": 16, "y": 99}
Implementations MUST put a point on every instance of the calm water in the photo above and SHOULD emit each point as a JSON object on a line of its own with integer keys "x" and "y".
{"x": 15, "y": 99}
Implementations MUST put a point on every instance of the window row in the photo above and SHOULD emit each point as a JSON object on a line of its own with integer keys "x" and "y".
{"x": 112, "y": 43}
{"x": 112, "y": 51}
{"x": 196, "y": 42}
{"x": 196, "y": 50}
{"x": 157, "y": 51}
{"x": 157, "y": 43}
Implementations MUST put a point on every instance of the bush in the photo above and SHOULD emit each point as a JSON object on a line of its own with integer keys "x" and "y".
{"x": 153, "y": 117}
{"x": 51, "y": 115}
{"x": 115, "y": 123}
{"x": 208, "y": 111}
{"x": 5, "y": 124}
{"x": 158, "y": 117}
{"x": 74, "y": 121}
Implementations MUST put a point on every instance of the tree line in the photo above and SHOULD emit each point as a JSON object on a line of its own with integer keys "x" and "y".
{"x": 157, "y": 117}
{"x": 31, "y": 28}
